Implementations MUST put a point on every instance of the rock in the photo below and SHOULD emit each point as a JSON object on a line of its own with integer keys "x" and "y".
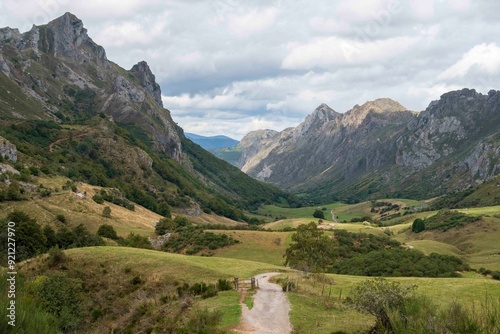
{"x": 8, "y": 150}
{"x": 65, "y": 37}
{"x": 147, "y": 79}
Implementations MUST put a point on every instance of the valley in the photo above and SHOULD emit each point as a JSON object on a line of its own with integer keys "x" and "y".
{"x": 123, "y": 223}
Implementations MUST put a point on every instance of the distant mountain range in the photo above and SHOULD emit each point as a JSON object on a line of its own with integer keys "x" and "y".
{"x": 381, "y": 149}
{"x": 212, "y": 142}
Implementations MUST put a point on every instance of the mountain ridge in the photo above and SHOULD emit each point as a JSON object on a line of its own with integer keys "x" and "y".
{"x": 381, "y": 149}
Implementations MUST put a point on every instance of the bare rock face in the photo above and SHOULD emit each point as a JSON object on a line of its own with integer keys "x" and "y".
{"x": 8, "y": 150}
{"x": 65, "y": 37}
{"x": 381, "y": 148}
{"x": 61, "y": 57}
{"x": 142, "y": 72}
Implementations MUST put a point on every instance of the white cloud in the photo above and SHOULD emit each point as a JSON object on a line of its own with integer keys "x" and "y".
{"x": 485, "y": 57}
{"x": 228, "y": 66}
{"x": 331, "y": 52}
{"x": 255, "y": 21}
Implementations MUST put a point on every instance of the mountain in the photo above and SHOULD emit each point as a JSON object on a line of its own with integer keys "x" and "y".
{"x": 213, "y": 142}
{"x": 66, "y": 110}
{"x": 381, "y": 149}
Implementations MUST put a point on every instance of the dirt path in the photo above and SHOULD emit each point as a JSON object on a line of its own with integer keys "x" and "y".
{"x": 269, "y": 314}
{"x": 51, "y": 146}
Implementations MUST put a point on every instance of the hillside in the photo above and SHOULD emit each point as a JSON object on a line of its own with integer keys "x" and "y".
{"x": 380, "y": 149}
{"x": 65, "y": 109}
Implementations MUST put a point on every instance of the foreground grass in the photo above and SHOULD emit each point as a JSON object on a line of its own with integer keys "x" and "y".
{"x": 226, "y": 302}
{"x": 318, "y": 303}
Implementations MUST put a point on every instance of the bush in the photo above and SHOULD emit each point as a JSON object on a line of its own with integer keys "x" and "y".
{"x": 107, "y": 231}
{"x": 224, "y": 285}
{"x": 61, "y": 218}
{"x": 61, "y": 296}
{"x": 106, "y": 212}
{"x": 418, "y": 225}
{"x": 56, "y": 257}
{"x": 318, "y": 213}
{"x": 98, "y": 199}
{"x": 496, "y": 275}
{"x": 378, "y": 297}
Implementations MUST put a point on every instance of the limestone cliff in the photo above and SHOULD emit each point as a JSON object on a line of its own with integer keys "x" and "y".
{"x": 56, "y": 71}
{"x": 382, "y": 149}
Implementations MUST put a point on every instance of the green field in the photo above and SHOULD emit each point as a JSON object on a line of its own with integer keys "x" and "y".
{"x": 342, "y": 211}
{"x": 265, "y": 247}
{"x": 318, "y": 307}
{"x": 488, "y": 210}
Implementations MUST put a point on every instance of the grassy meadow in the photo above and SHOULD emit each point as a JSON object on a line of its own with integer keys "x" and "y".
{"x": 316, "y": 305}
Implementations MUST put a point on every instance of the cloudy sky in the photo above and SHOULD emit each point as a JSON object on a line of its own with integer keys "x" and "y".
{"x": 229, "y": 67}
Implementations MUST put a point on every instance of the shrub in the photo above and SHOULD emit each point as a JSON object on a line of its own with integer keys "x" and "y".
{"x": 224, "y": 285}
{"x": 318, "y": 213}
{"x": 418, "y": 225}
{"x": 56, "y": 257}
{"x": 378, "y": 297}
{"x": 107, "y": 231}
{"x": 98, "y": 199}
{"x": 61, "y": 218}
{"x": 106, "y": 212}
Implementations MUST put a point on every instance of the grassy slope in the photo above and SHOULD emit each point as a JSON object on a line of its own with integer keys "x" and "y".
{"x": 84, "y": 211}
{"x": 109, "y": 269}
{"x": 87, "y": 212}
{"x": 266, "y": 247}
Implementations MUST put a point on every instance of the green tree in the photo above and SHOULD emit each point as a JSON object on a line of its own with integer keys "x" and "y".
{"x": 165, "y": 225}
{"x": 318, "y": 213}
{"x": 107, "y": 231}
{"x": 310, "y": 249}
{"x": 106, "y": 212}
{"x": 30, "y": 240}
{"x": 418, "y": 225}
{"x": 50, "y": 237}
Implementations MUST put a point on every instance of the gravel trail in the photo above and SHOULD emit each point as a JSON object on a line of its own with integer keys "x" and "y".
{"x": 269, "y": 314}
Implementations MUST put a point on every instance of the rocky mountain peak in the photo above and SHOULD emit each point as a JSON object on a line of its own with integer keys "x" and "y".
{"x": 67, "y": 38}
{"x": 320, "y": 116}
{"x": 147, "y": 79}
{"x": 356, "y": 115}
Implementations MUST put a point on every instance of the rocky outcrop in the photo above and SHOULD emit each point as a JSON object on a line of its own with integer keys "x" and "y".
{"x": 65, "y": 37}
{"x": 8, "y": 150}
{"x": 148, "y": 81}
{"x": 60, "y": 70}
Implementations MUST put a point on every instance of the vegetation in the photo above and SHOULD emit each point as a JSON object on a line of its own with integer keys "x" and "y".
{"x": 91, "y": 159}
{"x": 107, "y": 231}
{"x": 398, "y": 309}
{"x": 364, "y": 254}
{"x": 185, "y": 237}
{"x": 318, "y": 213}
{"x": 443, "y": 221}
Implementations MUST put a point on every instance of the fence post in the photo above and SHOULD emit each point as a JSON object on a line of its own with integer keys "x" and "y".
{"x": 236, "y": 283}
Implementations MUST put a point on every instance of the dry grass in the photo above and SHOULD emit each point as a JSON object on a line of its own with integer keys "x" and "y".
{"x": 85, "y": 211}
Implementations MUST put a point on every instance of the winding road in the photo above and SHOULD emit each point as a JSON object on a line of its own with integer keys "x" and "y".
{"x": 269, "y": 314}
